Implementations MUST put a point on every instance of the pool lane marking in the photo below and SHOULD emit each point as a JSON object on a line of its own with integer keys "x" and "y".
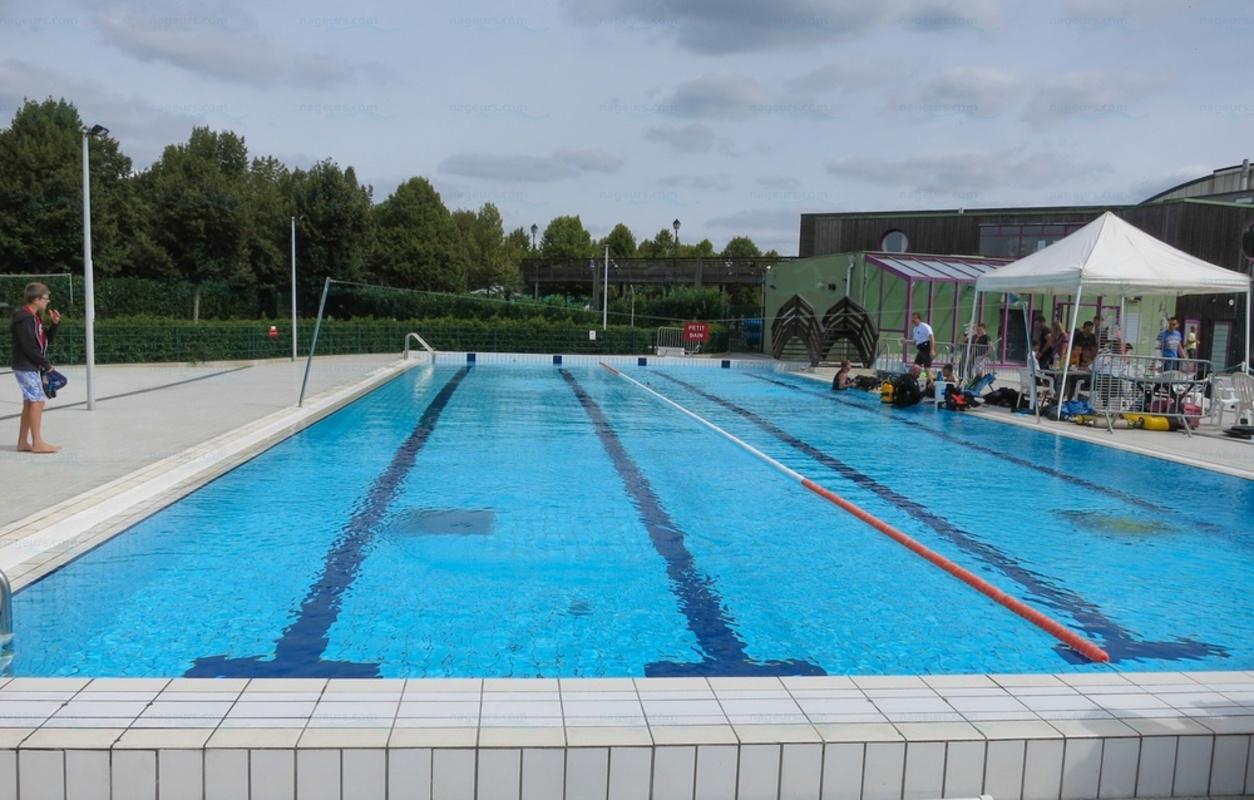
{"x": 1119, "y": 642}
{"x": 1022, "y": 462}
{"x": 299, "y": 651}
{"x": 698, "y": 599}
{"x": 1072, "y": 639}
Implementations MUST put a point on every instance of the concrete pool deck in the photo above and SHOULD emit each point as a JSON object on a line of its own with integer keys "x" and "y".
{"x": 1024, "y": 737}
{"x": 1206, "y": 449}
{"x": 145, "y": 413}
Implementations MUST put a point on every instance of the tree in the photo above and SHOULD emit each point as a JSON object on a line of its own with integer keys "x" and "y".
{"x": 483, "y": 242}
{"x": 200, "y": 208}
{"x": 333, "y": 223}
{"x": 269, "y": 208}
{"x": 660, "y": 246}
{"x": 416, "y": 243}
{"x": 41, "y": 222}
{"x": 741, "y": 247}
{"x": 565, "y": 237}
{"x": 621, "y": 241}
{"x": 702, "y": 249}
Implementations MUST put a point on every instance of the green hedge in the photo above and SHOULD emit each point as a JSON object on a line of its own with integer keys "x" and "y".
{"x": 139, "y": 340}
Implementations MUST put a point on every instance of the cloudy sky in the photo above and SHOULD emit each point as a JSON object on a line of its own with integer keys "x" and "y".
{"x": 732, "y": 115}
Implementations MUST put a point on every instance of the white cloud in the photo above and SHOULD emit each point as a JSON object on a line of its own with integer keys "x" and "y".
{"x": 691, "y": 138}
{"x": 142, "y": 128}
{"x": 737, "y": 26}
{"x": 969, "y": 172}
{"x": 561, "y": 165}
{"x": 229, "y": 48}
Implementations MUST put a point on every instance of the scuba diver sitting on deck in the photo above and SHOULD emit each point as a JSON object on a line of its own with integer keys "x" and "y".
{"x": 906, "y": 389}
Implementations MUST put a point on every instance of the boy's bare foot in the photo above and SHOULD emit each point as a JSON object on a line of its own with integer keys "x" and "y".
{"x": 24, "y": 448}
{"x": 44, "y": 447}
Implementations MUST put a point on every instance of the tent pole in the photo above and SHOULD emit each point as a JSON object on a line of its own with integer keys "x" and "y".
{"x": 966, "y": 359}
{"x": 1123, "y": 344}
{"x": 1246, "y": 368}
{"x": 1066, "y": 365}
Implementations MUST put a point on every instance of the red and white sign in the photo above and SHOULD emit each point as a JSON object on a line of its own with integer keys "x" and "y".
{"x": 696, "y": 331}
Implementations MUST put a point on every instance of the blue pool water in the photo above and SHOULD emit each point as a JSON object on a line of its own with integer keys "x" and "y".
{"x": 538, "y": 521}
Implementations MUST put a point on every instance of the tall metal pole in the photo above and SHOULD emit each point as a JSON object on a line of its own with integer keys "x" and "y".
{"x": 89, "y": 289}
{"x": 605, "y": 294}
{"x": 293, "y": 288}
{"x": 326, "y": 287}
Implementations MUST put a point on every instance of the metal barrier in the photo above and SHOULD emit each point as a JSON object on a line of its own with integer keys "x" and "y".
{"x": 896, "y": 355}
{"x": 1147, "y": 391}
{"x": 671, "y": 342}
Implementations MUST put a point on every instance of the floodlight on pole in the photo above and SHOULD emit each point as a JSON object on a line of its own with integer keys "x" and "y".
{"x": 89, "y": 286}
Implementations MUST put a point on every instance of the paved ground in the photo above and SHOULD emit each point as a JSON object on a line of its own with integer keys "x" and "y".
{"x": 144, "y": 414}
{"x": 1208, "y": 448}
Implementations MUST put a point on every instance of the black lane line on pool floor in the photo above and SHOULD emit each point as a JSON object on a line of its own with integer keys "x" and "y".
{"x": 1007, "y": 457}
{"x": 698, "y": 597}
{"x": 299, "y": 651}
{"x": 1119, "y": 642}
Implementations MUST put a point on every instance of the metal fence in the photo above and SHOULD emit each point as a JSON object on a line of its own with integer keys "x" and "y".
{"x": 1147, "y": 391}
{"x": 156, "y": 342}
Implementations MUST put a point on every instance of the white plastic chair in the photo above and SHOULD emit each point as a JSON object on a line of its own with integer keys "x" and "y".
{"x": 1243, "y": 389}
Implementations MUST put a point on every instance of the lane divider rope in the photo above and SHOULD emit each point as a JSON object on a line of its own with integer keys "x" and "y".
{"x": 1075, "y": 641}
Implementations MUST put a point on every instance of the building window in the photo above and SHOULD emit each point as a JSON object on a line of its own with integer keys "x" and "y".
{"x": 1017, "y": 241}
{"x": 1247, "y": 244}
{"x": 894, "y": 242}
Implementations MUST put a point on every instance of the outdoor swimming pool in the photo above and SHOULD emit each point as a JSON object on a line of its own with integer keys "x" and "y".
{"x": 526, "y": 521}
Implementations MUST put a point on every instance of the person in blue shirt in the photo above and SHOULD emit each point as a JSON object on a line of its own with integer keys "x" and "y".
{"x": 1172, "y": 343}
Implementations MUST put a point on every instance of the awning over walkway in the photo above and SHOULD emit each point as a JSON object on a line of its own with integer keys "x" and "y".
{"x": 940, "y": 269}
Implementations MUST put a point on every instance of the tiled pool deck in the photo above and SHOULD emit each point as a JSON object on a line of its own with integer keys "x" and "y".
{"x": 1009, "y": 736}
{"x": 1054, "y": 737}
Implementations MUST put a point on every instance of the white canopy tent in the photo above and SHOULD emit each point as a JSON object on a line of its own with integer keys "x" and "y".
{"x": 1112, "y": 256}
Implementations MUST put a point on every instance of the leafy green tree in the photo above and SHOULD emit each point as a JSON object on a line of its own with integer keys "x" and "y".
{"x": 741, "y": 247}
{"x": 702, "y": 249}
{"x": 416, "y": 243}
{"x": 333, "y": 224}
{"x": 660, "y": 246}
{"x": 566, "y": 237}
{"x": 41, "y": 222}
{"x": 200, "y": 208}
{"x": 772, "y": 253}
{"x": 488, "y": 260}
{"x": 268, "y": 221}
{"x": 621, "y": 241}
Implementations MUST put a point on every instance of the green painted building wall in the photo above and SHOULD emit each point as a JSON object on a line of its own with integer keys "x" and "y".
{"x": 823, "y": 280}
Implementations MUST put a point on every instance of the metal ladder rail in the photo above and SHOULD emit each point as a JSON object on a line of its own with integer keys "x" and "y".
{"x": 421, "y": 341}
{"x": 6, "y": 626}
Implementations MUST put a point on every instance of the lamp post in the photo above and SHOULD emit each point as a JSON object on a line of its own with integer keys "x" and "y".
{"x": 675, "y": 225}
{"x": 89, "y": 286}
{"x": 293, "y": 288}
{"x": 534, "y": 230}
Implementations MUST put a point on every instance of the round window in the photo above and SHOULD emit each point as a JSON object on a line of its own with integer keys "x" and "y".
{"x": 894, "y": 242}
{"x": 1247, "y": 244}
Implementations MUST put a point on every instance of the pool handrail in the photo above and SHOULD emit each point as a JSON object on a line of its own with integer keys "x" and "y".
{"x": 421, "y": 341}
{"x": 6, "y": 624}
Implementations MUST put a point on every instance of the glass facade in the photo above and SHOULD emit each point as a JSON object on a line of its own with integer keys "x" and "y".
{"x": 1020, "y": 239}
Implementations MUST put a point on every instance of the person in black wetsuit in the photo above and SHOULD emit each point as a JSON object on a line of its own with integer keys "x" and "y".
{"x": 906, "y": 389}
